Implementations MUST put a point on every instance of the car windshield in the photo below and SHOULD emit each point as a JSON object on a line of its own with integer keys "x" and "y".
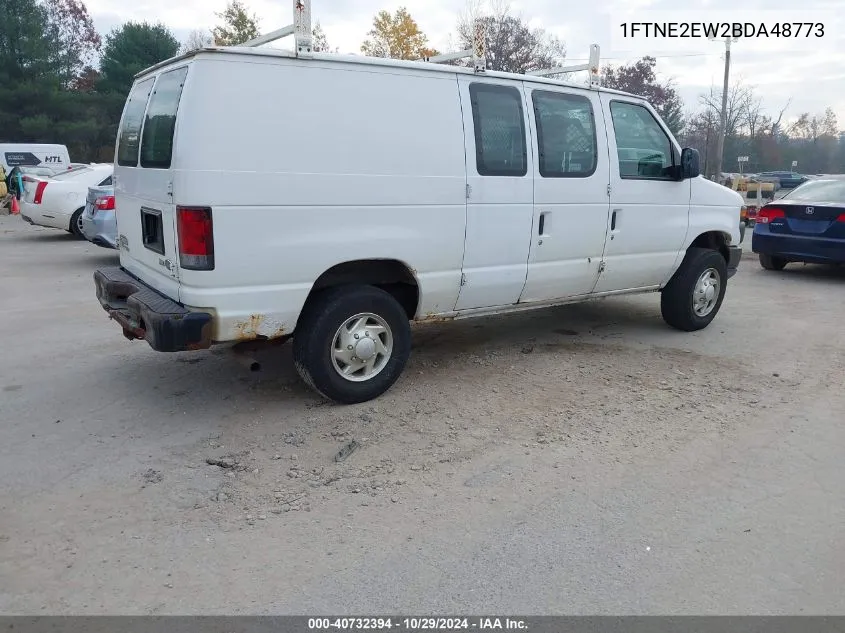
{"x": 819, "y": 191}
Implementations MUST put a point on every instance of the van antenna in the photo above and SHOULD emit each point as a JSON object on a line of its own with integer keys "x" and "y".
{"x": 300, "y": 29}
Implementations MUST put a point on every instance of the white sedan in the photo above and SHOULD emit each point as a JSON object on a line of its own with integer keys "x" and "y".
{"x": 58, "y": 202}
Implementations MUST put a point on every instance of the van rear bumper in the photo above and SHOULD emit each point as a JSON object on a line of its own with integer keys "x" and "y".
{"x": 147, "y": 315}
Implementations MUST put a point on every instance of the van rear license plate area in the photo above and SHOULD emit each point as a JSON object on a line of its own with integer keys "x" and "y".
{"x": 152, "y": 230}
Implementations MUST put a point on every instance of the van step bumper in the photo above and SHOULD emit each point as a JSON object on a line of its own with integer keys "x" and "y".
{"x": 150, "y": 316}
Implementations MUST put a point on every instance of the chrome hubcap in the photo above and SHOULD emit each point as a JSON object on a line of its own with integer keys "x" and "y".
{"x": 362, "y": 347}
{"x": 79, "y": 224}
{"x": 706, "y": 292}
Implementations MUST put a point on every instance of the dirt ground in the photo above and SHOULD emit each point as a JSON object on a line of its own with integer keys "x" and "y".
{"x": 583, "y": 459}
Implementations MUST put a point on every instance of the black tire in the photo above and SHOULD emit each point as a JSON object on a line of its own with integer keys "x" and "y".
{"x": 75, "y": 229}
{"x": 313, "y": 341}
{"x": 772, "y": 263}
{"x": 676, "y": 300}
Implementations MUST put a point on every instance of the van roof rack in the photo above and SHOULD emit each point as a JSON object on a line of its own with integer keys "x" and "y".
{"x": 592, "y": 66}
{"x": 479, "y": 55}
{"x": 478, "y": 52}
{"x": 301, "y": 30}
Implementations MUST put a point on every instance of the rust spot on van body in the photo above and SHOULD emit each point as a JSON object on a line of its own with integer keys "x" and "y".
{"x": 248, "y": 330}
{"x": 431, "y": 317}
{"x": 259, "y": 327}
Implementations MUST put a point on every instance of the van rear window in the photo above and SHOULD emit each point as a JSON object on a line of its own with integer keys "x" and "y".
{"x": 157, "y": 144}
{"x": 129, "y": 139}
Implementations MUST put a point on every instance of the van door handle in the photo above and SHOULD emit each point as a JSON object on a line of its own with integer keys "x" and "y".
{"x": 542, "y": 223}
{"x": 613, "y": 221}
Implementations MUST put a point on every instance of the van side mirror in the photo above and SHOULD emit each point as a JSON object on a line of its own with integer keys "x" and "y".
{"x": 690, "y": 163}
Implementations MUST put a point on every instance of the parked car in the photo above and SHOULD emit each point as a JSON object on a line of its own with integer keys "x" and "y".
{"x": 769, "y": 178}
{"x": 376, "y": 220}
{"x": 99, "y": 222}
{"x": 58, "y": 201}
{"x": 785, "y": 179}
{"x": 806, "y": 225}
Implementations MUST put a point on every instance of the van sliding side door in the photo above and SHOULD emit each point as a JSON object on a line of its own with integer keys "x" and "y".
{"x": 500, "y": 202}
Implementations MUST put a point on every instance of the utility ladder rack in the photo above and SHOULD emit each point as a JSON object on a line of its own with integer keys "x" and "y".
{"x": 301, "y": 30}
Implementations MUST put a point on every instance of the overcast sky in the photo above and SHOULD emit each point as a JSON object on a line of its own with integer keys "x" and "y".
{"x": 808, "y": 71}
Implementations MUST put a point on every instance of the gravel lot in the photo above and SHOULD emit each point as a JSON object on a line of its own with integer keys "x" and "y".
{"x": 584, "y": 459}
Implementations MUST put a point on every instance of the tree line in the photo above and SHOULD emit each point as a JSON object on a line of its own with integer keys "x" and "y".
{"x": 813, "y": 140}
{"x": 61, "y": 82}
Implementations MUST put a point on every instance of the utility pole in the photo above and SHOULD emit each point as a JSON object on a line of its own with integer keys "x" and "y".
{"x": 720, "y": 146}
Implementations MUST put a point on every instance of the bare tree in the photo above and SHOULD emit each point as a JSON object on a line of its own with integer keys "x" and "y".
{"x": 753, "y": 119}
{"x": 740, "y": 98}
{"x": 319, "y": 40}
{"x": 196, "y": 40}
{"x": 512, "y": 45}
{"x": 775, "y": 129}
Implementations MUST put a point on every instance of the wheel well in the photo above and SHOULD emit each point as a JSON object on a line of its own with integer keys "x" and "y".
{"x": 714, "y": 240}
{"x": 390, "y": 275}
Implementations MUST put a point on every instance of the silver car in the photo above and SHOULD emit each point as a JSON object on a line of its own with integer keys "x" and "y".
{"x": 99, "y": 221}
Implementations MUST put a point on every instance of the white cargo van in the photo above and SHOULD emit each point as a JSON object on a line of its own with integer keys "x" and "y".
{"x": 52, "y": 157}
{"x": 262, "y": 195}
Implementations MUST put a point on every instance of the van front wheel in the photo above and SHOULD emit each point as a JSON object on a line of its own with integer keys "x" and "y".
{"x": 352, "y": 343}
{"x": 693, "y": 296}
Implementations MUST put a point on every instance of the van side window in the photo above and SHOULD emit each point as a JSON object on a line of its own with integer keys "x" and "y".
{"x": 500, "y": 147}
{"x": 157, "y": 145}
{"x": 645, "y": 151}
{"x": 566, "y": 135}
{"x": 129, "y": 138}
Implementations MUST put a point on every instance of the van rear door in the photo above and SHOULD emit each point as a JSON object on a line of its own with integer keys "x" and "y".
{"x": 144, "y": 182}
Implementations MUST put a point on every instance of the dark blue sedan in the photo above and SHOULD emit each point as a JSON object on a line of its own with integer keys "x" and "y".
{"x": 806, "y": 225}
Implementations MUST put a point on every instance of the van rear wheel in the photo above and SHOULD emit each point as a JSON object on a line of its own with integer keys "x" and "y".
{"x": 352, "y": 343}
{"x": 692, "y": 298}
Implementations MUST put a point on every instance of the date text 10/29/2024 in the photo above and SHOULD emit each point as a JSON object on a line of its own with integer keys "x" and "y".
{"x": 416, "y": 624}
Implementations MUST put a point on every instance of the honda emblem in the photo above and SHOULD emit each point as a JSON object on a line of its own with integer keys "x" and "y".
{"x": 811, "y": 210}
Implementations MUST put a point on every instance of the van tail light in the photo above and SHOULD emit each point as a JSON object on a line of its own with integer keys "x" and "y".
{"x": 105, "y": 203}
{"x": 196, "y": 238}
{"x": 841, "y": 218}
{"x": 39, "y": 191}
{"x": 767, "y": 214}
